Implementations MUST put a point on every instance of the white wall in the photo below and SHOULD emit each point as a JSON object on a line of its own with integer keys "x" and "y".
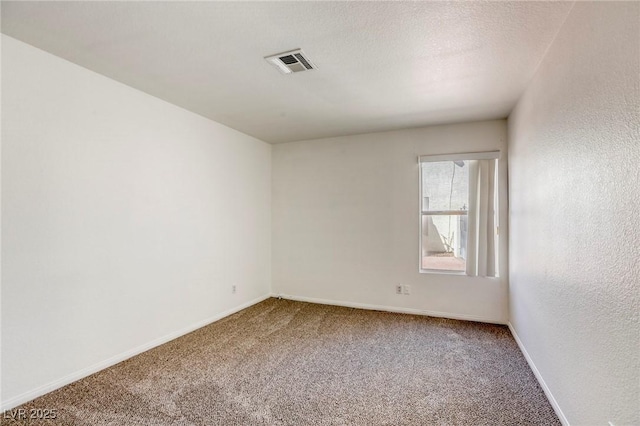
{"x": 125, "y": 221}
{"x": 574, "y": 154}
{"x": 346, "y": 222}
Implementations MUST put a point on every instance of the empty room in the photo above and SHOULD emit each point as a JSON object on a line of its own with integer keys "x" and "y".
{"x": 320, "y": 213}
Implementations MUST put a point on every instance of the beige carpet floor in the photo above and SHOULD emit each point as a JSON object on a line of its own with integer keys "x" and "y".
{"x": 290, "y": 363}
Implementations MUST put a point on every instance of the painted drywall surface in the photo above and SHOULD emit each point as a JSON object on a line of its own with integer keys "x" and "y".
{"x": 124, "y": 218}
{"x": 346, "y": 221}
{"x": 574, "y": 150}
{"x": 382, "y": 65}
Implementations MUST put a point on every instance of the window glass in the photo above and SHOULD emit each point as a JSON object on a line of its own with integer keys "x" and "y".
{"x": 445, "y": 201}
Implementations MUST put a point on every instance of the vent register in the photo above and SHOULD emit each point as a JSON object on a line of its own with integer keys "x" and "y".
{"x": 291, "y": 61}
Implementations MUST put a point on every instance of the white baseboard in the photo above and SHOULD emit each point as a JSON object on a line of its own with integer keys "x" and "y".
{"x": 56, "y": 384}
{"x": 543, "y": 385}
{"x": 389, "y": 309}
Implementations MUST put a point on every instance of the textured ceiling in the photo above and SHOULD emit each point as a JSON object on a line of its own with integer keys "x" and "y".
{"x": 381, "y": 65}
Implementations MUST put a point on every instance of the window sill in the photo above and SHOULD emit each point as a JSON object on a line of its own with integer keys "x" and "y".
{"x": 454, "y": 273}
{"x": 442, "y": 272}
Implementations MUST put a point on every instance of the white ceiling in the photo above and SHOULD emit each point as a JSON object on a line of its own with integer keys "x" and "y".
{"x": 381, "y": 65}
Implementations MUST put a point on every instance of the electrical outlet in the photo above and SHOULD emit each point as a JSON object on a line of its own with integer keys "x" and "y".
{"x": 398, "y": 289}
{"x": 233, "y": 289}
{"x": 406, "y": 289}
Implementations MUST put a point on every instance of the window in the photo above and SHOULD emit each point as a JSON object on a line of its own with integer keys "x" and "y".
{"x": 459, "y": 213}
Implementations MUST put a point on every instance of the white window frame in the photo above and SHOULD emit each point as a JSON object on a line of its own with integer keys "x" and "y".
{"x": 483, "y": 155}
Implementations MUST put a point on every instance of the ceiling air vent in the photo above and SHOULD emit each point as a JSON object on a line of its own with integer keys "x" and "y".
{"x": 291, "y": 61}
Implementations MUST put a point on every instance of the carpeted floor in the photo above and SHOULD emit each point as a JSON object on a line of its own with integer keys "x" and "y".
{"x": 290, "y": 363}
